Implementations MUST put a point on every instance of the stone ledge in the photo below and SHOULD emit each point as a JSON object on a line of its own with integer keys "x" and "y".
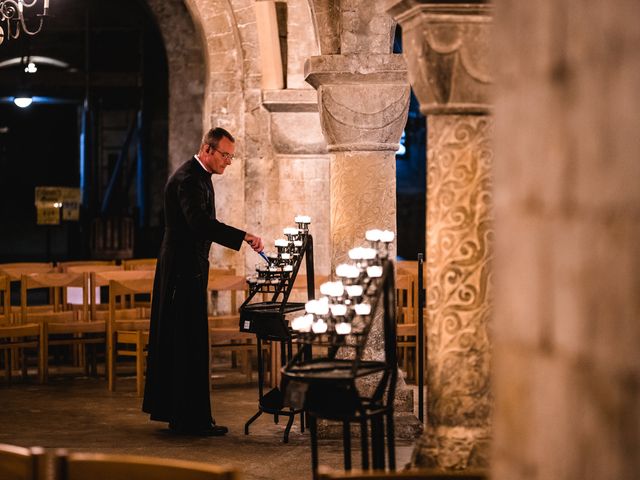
{"x": 290, "y": 100}
{"x": 356, "y": 69}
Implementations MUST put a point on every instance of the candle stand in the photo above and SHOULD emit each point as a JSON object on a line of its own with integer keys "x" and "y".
{"x": 327, "y": 387}
{"x": 267, "y": 318}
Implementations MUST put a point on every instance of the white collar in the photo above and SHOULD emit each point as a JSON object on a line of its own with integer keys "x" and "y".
{"x": 201, "y": 164}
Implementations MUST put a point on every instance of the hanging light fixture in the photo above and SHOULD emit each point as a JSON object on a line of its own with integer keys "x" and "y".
{"x": 23, "y": 102}
{"x": 12, "y": 20}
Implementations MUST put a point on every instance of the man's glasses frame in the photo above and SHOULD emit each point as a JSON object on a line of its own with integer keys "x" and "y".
{"x": 225, "y": 155}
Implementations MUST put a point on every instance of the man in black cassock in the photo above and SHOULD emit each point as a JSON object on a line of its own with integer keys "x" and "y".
{"x": 177, "y": 383}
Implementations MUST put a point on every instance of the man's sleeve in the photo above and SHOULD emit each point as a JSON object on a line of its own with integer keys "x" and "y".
{"x": 192, "y": 197}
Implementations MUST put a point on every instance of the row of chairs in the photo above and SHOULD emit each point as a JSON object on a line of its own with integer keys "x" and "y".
{"x": 70, "y": 327}
{"x": 124, "y": 325}
{"x": 18, "y": 463}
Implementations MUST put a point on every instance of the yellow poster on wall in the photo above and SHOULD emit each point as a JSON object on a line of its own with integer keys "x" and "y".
{"x": 71, "y": 204}
{"x": 54, "y": 203}
{"x": 48, "y": 216}
{"x": 48, "y": 201}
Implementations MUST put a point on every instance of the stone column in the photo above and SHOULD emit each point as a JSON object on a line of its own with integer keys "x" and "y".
{"x": 446, "y": 47}
{"x": 363, "y": 102}
{"x": 567, "y": 330}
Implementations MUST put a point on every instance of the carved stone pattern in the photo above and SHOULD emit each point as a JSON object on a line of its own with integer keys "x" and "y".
{"x": 362, "y": 197}
{"x": 459, "y": 251}
{"x": 448, "y": 61}
{"x": 363, "y": 117}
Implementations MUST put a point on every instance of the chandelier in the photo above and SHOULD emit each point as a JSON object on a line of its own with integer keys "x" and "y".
{"x": 12, "y": 20}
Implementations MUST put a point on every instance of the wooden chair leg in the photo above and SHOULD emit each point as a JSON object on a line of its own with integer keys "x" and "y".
{"x": 23, "y": 363}
{"x": 111, "y": 362}
{"x": 7, "y": 365}
{"x": 139, "y": 364}
{"x": 43, "y": 356}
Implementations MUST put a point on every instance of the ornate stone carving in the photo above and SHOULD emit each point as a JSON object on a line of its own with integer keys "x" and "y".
{"x": 362, "y": 197}
{"x": 363, "y": 117}
{"x": 449, "y": 46}
{"x": 363, "y": 100}
{"x": 459, "y": 237}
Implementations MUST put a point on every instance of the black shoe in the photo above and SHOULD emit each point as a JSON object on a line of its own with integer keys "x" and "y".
{"x": 216, "y": 430}
{"x": 211, "y": 430}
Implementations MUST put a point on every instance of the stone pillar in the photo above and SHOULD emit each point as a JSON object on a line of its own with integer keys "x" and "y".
{"x": 446, "y": 47}
{"x": 363, "y": 102}
{"x": 567, "y": 329}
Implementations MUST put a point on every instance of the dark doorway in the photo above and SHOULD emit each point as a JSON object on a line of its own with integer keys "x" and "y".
{"x": 103, "y": 96}
{"x": 411, "y": 178}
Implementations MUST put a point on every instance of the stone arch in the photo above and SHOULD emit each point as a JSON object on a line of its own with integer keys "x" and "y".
{"x": 232, "y": 99}
{"x": 186, "y": 77}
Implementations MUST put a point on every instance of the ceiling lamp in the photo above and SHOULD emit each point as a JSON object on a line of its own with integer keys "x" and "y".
{"x": 23, "y": 102}
{"x": 12, "y": 20}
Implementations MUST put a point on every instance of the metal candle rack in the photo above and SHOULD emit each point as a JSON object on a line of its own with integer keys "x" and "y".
{"x": 341, "y": 321}
{"x": 267, "y": 319}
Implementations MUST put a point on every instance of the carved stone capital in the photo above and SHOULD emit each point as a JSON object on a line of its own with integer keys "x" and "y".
{"x": 447, "y": 49}
{"x": 363, "y": 100}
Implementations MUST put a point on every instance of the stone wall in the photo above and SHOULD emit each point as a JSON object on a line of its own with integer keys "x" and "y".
{"x": 186, "y": 78}
{"x": 566, "y": 331}
{"x": 271, "y": 180}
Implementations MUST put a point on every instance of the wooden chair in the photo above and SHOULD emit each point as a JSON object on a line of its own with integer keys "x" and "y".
{"x": 15, "y": 271}
{"x": 100, "y": 278}
{"x": 64, "y": 266}
{"x": 91, "y": 268}
{"x": 128, "y": 337}
{"x": 63, "y": 325}
{"x": 15, "y": 336}
{"x": 19, "y": 463}
{"x": 407, "y": 326}
{"x": 421, "y": 474}
{"x": 99, "y": 466}
{"x": 224, "y": 333}
{"x": 140, "y": 264}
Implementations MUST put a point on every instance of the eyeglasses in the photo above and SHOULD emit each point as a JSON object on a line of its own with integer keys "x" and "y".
{"x": 225, "y": 155}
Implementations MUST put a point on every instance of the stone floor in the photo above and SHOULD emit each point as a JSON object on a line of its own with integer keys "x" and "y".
{"x": 80, "y": 414}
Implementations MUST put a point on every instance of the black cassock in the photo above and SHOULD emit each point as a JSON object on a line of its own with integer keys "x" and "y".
{"x": 177, "y": 383}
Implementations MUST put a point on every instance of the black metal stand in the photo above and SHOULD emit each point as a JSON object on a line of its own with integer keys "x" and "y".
{"x": 329, "y": 389}
{"x": 267, "y": 321}
{"x": 420, "y": 339}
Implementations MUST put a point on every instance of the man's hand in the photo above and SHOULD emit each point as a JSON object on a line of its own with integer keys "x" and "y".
{"x": 255, "y": 242}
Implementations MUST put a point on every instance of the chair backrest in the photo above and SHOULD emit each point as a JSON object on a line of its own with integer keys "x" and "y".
{"x": 58, "y": 283}
{"x": 406, "y": 301}
{"x": 301, "y": 281}
{"x": 421, "y": 474}
{"x": 407, "y": 267}
{"x": 15, "y": 270}
{"x": 5, "y": 297}
{"x": 63, "y": 266}
{"x": 102, "y": 279}
{"x": 137, "y": 283}
{"x": 127, "y": 286}
{"x": 140, "y": 264}
{"x": 98, "y": 466}
{"x": 92, "y": 267}
{"x": 19, "y": 463}
{"x": 225, "y": 280}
